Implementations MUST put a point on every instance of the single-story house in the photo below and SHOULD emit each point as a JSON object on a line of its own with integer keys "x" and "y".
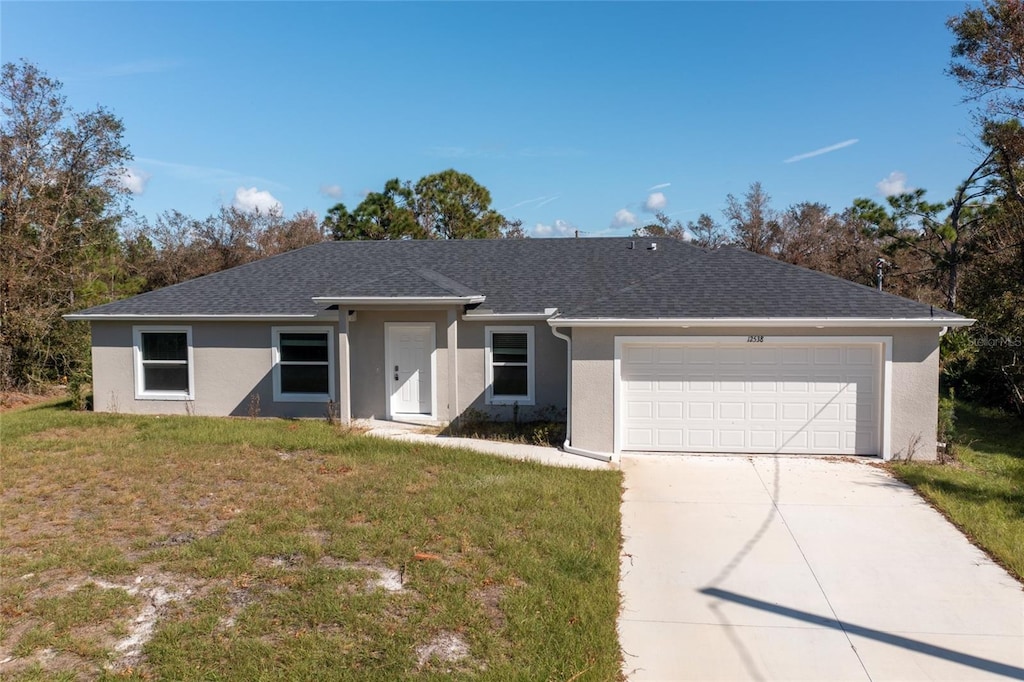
{"x": 645, "y": 345}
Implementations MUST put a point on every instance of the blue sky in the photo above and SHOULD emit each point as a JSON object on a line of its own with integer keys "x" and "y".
{"x": 574, "y": 115}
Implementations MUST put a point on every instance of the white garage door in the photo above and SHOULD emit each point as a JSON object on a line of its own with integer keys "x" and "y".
{"x": 818, "y": 398}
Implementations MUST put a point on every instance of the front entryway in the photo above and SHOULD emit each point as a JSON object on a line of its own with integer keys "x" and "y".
{"x": 409, "y": 353}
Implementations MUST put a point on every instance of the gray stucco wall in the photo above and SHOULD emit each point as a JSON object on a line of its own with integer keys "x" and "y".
{"x": 233, "y": 362}
{"x": 549, "y": 373}
{"x": 914, "y": 399}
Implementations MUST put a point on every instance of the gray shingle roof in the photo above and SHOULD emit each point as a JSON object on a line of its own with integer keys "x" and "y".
{"x": 583, "y": 278}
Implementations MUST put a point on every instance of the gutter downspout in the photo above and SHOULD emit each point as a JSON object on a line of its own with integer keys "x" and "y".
{"x": 567, "y": 445}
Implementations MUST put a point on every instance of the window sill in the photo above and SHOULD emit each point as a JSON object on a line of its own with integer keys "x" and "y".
{"x": 164, "y": 396}
{"x": 302, "y": 398}
{"x": 521, "y": 400}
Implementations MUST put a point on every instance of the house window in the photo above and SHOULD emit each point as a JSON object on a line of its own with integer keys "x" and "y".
{"x": 303, "y": 364}
{"x": 510, "y": 365}
{"x": 163, "y": 363}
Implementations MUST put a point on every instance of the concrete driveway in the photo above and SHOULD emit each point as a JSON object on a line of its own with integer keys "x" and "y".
{"x": 789, "y": 568}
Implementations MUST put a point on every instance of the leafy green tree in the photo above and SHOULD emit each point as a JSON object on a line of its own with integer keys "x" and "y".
{"x": 452, "y": 205}
{"x": 62, "y": 201}
{"x": 987, "y": 56}
{"x": 949, "y": 234}
{"x": 380, "y": 215}
{"x": 445, "y": 205}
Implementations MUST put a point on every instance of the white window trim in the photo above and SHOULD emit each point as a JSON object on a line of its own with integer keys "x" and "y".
{"x": 531, "y": 364}
{"x": 140, "y": 377}
{"x": 332, "y": 364}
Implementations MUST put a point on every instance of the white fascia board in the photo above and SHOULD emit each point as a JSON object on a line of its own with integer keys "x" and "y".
{"x": 398, "y": 300}
{"x": 99, "y": 317}
{"x": 508, "y": 317}
{"x": 824, "y": 322}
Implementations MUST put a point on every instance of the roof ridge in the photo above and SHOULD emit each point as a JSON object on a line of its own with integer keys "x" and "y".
{"x": 446, "y": 283}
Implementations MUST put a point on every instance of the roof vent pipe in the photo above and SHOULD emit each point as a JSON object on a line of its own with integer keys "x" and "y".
{"x": 653, "y": 246}
{"x": 632, "y": 245}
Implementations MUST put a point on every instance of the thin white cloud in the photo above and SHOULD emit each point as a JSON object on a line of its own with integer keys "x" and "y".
{"x": 623, "y": 218}
{"x": 251, "y": 199}
{"x": 892, "y": 184}
{"x": 662, "y": 185}
{"x": 655, "y": 202}
{"x": 536, "y": 202}
{"x": 331, "y": 191}
{"x": 823, "y": 150}
{"x": 134, "y": 180}
{"x": 560, "y": 228}
{"x": 209, "y": 175}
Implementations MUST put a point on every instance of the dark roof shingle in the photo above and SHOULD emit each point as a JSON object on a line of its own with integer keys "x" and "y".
{"x": 583, "y": 278}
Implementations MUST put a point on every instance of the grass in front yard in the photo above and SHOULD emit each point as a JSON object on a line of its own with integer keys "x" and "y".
{"x": 982, "y": 491}
{"x": 195, "y": 548}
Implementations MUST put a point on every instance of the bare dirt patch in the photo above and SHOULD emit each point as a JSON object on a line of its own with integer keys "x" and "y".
{"x": 446, "y": 647}
{"x": 13, "y": 400}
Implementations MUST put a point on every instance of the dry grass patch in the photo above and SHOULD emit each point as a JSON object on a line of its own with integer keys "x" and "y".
{"x": 192, "y": 548}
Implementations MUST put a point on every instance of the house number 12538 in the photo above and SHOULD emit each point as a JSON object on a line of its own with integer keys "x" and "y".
{"x": 755, "y": 339}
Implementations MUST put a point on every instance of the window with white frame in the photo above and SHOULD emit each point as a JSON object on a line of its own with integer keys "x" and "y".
{"x": 303, "y": 364}
{"x": 510, "y": 365}
{"x": 163, "y": 363}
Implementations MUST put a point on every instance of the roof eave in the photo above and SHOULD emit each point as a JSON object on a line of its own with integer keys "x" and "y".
{"x": 136, "y": 317}
{"x": 508, "y": 317}
{"x": 767, "y": 322}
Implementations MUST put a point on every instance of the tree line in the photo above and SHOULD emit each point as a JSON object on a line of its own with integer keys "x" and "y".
{"x": 69, "y": 239}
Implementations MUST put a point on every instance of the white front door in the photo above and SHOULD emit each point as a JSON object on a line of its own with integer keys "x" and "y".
{"x": 410, "y": 347}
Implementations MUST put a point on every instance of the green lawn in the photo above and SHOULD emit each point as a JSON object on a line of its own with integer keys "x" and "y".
{"x": 218, "y": 549}
{"x": 982, "y": 491}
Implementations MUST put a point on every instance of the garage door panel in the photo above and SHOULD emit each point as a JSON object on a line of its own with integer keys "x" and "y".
{"x": 670, "y": 438}
{"x": 826, "y": 440}
{"x": 700, "y": 410}
{"x": 826, "y": 355}
{"x": 817, "y": 398}
{"x": 763, "y": 355}
{"x": 732, "y": 439}
{"x": 862, "y": 356}
{"x": 764, "y": 411}
{"x": 736, "y": 411}
{"x": 670, "y": 410}
{"x": 764, "y": 439}
{"x": 639, "y": 355}
{"x": 699, "y": 439}
{"x": 732, "y": 384}
{"x": 795, "y": 411}
{"x": 827, "y": 412}
{"x": 794, "y": 385}
{"x": 669, "y": 355}
{"x": 795, "y": 356}
{"x": 640, "y": 409}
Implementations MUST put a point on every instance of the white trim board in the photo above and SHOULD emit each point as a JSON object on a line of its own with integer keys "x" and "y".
{"x": 766, "y": 322}
{"x": 275, "y": 358}
{"x": 140, "y": 383}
